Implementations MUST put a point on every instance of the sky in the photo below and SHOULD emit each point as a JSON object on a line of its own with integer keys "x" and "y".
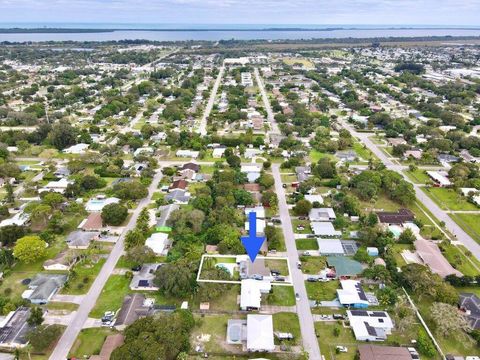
{"x": 386, "y": 12}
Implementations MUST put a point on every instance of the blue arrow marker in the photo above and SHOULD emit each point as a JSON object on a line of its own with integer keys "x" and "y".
{"x": 252, "y": 242}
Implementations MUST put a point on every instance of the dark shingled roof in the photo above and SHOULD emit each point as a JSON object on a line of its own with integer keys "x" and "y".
{"x": 400, "y": 217}
{"x": 471, "y": 302}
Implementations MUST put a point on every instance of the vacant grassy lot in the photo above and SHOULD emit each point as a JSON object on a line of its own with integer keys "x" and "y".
{"x": 313, "y": 264}
{"x": 303, "y": 61}
{"x": 280, "y": 265}
{"x": 307, "y": 244}
{"x": 322, "y": 291}
{"x": 362, "y": 152}
{"x": 418, "y": 176}
{"x": 287, "y": 322}
{"x": 281, "y": 295}
{"x": 469, "y": 223}
{"x": 216, "y": 327}
{"x": 449, "y": 199}
{"x": 89, "y": 342}
{"x": 112, "y": 295}
{"x": 458, "y": 260}
{"x": 328, "y": 341}
{"x": 85, "y": 273}
{"x": 316, "y": 155}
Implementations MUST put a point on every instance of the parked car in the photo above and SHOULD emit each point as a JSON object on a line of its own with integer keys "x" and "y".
{"x": 338, "y": 316}
{"x": 284, "y": 185}
{"x": 136, "y": 268}
{"x": 300, "y": 228}
{"x": 312, "y": 279}
{"x": 299, "y": 265}
{"x": 274, "y": 272}
{"x": 257, "y": 277}
{"x": 307, "y": 253}
{"x": 279, "y": 278}
{"x": 297, "y": 296}
{"x": 342, "y": 349}
{"x": 302, "y": 218}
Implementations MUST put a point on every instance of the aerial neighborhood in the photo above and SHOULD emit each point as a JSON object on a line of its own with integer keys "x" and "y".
{"x": 129, "y": 170}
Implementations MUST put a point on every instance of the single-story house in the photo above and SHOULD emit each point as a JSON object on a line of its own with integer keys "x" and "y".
{"x": 159, "y": 243}
{"x": 251, "y": 293}
{"x": 43, "y": 287}
{"x": 351, "y": 295}
{"x": 470, "y": 303}
{"x": 187, "y": 153}
{"x": 143, "y": 279}
{"x": 330, "y": 247}
{"x": 80, "y": 239}
{"x": 179, "y": 184}
{"x": 93, "y": 222}
{"x": 132, "y": 309}
{"x": 62, "y": 262}
{"x": 178, "y": 196}
{"x": 439, "y": 177}
{"x": 432, "y": 257}
{"x": 324, "y": 229}
{"x": 370, "y": 325}
{"x": 322, "y": 214}
{"x": 76, "y": 149}
{"x": 260, "y": 333}
{"x": 314, "y": 198}
{"x": 56, "y": 186}
{"x": 217, "y": 153}
{"x": 252, "y": 171}
{"x": 14, "y": 328}
{"x": 375, "y": 352}
{"x": 400, "y": 217}
{"x": 165, "y": 212}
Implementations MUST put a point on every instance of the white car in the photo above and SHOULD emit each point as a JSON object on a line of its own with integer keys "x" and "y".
{"x": 342, "y": 349}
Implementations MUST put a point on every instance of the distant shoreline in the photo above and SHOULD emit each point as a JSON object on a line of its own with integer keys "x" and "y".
{"x": 47, "y": 30}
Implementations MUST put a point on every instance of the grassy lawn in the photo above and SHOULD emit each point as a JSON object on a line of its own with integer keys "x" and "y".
{"x": 307, "y": 244}
{"x": 418, "y": 176}
{"x": 226, "y": 302}
{"x": 281, "y": 295}
{"x": 397, "y": 250}
{"x": 303, "y": 61}
{"x": 85, "y": 275}
{"x": 112, "y": 295}
{"x": 89, "y": 342}
{"x": 288, "y": 178}
{"x": 53, "y": 305}
{"x": 458, "y": 260}
{"x": 449, "y": 199}
{"x": 313, "y": 264}
{"x": 216, "y": 327}
{"x": 316, "y": 155}
{"x": 280, "y": 265}
{"x": 304, "y": 223}
{"x": 382, "y": 202}
{"x": 361, "y": 151}
{"x": 469, "y": 223}
{"x": 322, "y": 291}
{"x": 124, "y": 264}
{"x": 328, "y": 341}
{"x": 287, "y": 322}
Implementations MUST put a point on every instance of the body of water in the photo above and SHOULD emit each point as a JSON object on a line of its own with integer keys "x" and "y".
{"x": 209, "y": 33}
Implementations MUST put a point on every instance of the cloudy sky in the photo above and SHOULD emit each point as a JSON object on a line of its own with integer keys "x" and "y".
{"x": 401, "y": 12}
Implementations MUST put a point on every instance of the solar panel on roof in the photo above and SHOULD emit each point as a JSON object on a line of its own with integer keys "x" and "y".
{"x": 359, "y": 313}
{"x": 143, "y": 283}
{"x": 379, "y": 314}
{"x": 371, "y": 330}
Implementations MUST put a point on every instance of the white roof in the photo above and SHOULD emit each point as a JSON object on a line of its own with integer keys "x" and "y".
{"x": 351, "y": 293}
{"x": 379, "y": 320}
{"x": 439, "y": 178}
{"x": 187, "y": 153}
{"x": 19, "y": 219}
{"x": 330, "y": 246}
{"x": 259, "y": 210}
{"x": 76, "y": 149}
{"x": 314, "y": 198}
{"x": 250, "y": 168}
{"x": 157, "y": 242}
{"x": 251, "y": 293}
{"x": 260, "y": 225}
{"x": 260, "y": 333}
{"x": 324, "y": 229}
{"x": 57, "y": 186}
{"x": 321, "y": 214}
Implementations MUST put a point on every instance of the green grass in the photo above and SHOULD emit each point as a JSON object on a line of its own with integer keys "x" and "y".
{"x": 362, "y": 152}
{"x": 124, "y": 263}
{"x": 418, "y": 176}
{"x": 313, "y": 264}
{"x": 316, "y": 155}
{"x": 89, "y": 342}
{"x": 281, "y": 295}
{"x": 287, "y": 322}
{"x": 111, "y": 297}
{"x": 280, "y": 265}
{"x": 328, "y": 341}
{"x": 216, "y": 327}
{"x": 382, "y": 202}
{"x": 397, "y": 250}
{"x": 307, "y": 244}
{"x": 322, "y": 291}
{"x": 449, "y": 199}
{"x": 85, "y": 275}
{"x": 304, "y": 223}
{"x": 469, "y": 223}
{"x": 54, "y": 305}
{"x": 458, "y": 260}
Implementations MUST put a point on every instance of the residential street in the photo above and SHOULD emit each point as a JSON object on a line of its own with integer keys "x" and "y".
{"x": 310, "y": 342}
{"x": 68, "y": 338}
{"x": 202, "y": 129}
{"x": 266, "y": 103}
{"x": 423, "y": 198}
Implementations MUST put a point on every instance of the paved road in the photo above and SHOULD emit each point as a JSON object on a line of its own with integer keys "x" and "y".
{"x": 68, "y": 338}
{"x": 266, "y": 103}
{"x": 310, "y": 342}
{"x": 202, "y": 129}
{"x": 440, "y": 214}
